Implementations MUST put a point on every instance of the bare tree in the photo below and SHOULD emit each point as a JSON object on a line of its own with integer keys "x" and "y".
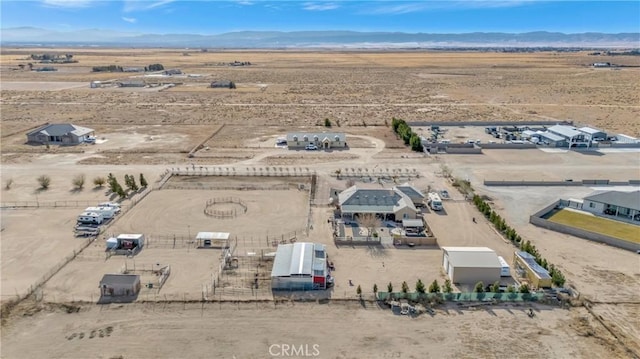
{"x": 99, "y": 181}
{"x": 78, "y": 182}
{"x": 44, "y": 181}
{"x": 369, "y": 221}
{"x": 8, "y": 183}
{"x": 350, "y": 183}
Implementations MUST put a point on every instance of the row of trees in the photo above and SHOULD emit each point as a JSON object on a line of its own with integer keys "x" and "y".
{"x": 499, "y": 223}
{"x": 447, "y": 288}
{"x": 405, "y": 132}
{"x": 78, "y": 183}
{"x": 129, "y": 182}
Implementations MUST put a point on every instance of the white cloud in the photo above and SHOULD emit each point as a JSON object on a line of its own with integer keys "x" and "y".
{"x": 131, "y": 20}
{"x": 67, "y": 3}
{"x": 244, "y": 2}
{"x": 410, "y": 7}
{"x": 311, "y": 6}
{"x": 143, "y": 5}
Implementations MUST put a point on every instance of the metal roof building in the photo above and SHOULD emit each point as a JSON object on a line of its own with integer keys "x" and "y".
{"x": 593, "y": 133}
{"x": 469, "y": 265}
{"x": 120, "y": 285}
{"x": 211, "y": 239}
{"x": 300, "y": 266}
{"x": 527, "y": 267}
{"x": 570, "y": 134}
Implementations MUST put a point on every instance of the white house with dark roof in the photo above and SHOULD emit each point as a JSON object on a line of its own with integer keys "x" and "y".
{"x": 323, "y": 140}
{"x": 616, "y": 203}
{"x": 60, "y": 134}
{"x": 388, "y": 204}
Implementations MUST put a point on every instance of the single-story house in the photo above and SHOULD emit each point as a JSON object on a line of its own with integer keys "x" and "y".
{"x": 120, "y": 285}
{"x": 470, "y": 265}
{"x": 387, "y": 204}
{"x": 324, "y": 140}
{"x": 616, "y": 203}
{"x": 300, "y": 266}
{"x": 60, "y": 134}
{"x": 527, "y": 267}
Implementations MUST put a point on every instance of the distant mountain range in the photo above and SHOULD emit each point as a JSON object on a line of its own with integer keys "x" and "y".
{"x": 315, "y": 39}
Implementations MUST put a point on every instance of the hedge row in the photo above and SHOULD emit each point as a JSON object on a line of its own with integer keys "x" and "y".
{"x": 405, "y": 132}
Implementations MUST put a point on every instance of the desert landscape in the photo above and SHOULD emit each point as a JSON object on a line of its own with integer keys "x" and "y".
{"x": 196, "y": 145}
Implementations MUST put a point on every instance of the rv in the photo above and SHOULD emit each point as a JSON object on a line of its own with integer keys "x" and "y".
{"x": 504, "y": 268}
{"x": 115, "y": 206}
{"x": 106, "y": 212}
{"x": 435, "y": 203}
{"x": 91, "y": 218}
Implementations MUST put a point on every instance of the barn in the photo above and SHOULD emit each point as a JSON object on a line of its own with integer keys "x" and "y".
{"x": 119, "y": 285}
{"x": 470, "y": 265}
{"x": 300, "y": 266}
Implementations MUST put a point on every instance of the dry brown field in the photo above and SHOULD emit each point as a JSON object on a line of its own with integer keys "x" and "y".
{"x": 151, "y": 130}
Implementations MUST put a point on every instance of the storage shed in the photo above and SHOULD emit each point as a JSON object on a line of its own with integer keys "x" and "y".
{"x": 120, "y": 285}
{"x": 470, "y": 265}
{"x": 212, "y": 239}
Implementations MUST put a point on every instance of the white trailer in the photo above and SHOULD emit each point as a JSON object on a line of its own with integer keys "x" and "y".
{"x": 435, "y": 203}
{"x": 107, "y": 212}
{"x": 115, "y": 206}
{"x": 505, "y": 270}
{"x": 91, "y": 218}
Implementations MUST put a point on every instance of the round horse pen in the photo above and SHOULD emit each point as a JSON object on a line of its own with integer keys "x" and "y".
{"x": 225, "y": 207}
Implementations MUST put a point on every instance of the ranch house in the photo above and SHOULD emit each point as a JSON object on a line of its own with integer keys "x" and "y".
{"x": 387, "y": 204}
{"x": 60, "y": 134}
{"x": 323, "y": 140}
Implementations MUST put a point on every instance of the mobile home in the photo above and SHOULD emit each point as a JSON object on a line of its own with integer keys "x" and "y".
{"x": 435, "y": 203}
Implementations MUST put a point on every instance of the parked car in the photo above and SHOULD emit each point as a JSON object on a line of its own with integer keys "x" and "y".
{"x": 311, "y": 147}
{"x": 90, "y": 139}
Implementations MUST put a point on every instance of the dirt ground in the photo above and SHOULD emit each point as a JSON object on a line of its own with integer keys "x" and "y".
{"x": 151, "y": 131}
{"x": 222, "y": 331}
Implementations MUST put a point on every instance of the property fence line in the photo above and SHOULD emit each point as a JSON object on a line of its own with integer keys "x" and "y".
{"x": 213, "y": 186}
{"x": 201, "y": 144}
{"x": 571, "y": 183}
{"x": 50, "y": 204}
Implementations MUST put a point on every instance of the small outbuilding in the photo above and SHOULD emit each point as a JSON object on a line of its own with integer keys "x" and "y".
{"x": 526, "y": 267}
{"x": 470, "y": 265}
{"x": 223, "y": 84}
{"x": 120, "y": 285}
{"x": 212, "y": 240}
{"x": 593, "y": 133}
{"x": 128, "y": 244}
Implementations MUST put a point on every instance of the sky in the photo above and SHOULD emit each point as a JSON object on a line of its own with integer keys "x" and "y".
{"x": 215, "y": 17}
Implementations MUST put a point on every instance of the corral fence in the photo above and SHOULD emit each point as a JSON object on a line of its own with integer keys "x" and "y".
{"x": 222, "y": 214}
{"x": 34, "y": 288}
{"x": 50, "y": 204}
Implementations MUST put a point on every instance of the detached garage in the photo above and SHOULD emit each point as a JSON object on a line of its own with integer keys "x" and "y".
{"x": 120, "y": 285}
{"x": 470, "y": 265}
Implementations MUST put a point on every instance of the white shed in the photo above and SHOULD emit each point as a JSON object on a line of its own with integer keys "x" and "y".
{"x": 213, "y": 239}
{"x": 469, "y": 265}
